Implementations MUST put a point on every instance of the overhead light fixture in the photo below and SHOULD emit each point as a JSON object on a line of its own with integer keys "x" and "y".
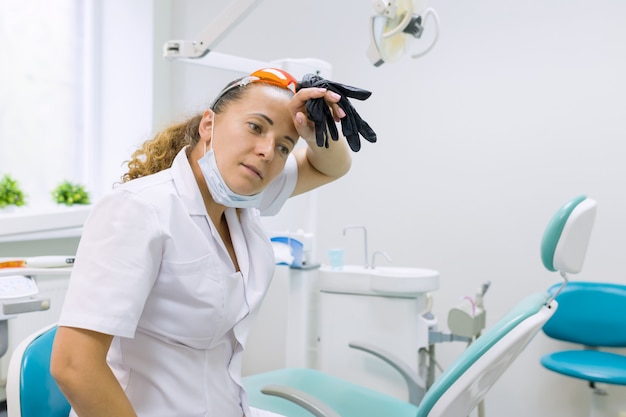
{"x": 395, "y": 24}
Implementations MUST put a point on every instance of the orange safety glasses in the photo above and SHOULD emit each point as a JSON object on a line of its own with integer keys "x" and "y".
{"x": 272, "y": 76}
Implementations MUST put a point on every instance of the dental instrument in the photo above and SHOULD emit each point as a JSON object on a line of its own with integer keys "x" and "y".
{"x": 39, "y": 262}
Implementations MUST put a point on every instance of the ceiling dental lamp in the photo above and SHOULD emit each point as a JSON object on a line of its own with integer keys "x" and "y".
{"x": 395, "y": 24}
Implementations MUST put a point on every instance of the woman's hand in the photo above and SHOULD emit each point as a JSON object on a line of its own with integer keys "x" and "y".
{"x": 297, "y": 108}
{"x": 318, "y": 165}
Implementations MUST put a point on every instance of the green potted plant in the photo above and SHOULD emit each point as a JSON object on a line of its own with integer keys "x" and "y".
{"x": 69, "y": 193}
{"x": 10, "y": 193}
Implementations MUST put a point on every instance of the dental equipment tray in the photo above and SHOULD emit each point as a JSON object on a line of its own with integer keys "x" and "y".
{"x": 17, "y": 286}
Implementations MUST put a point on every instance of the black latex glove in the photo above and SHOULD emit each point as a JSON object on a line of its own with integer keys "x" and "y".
{"x": 320, "y": 114}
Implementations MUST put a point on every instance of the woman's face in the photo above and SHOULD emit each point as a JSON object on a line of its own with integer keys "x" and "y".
{"x": 252, "y": 139}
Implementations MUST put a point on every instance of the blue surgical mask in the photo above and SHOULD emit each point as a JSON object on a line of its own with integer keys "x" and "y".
{"x": 218, "y": 188}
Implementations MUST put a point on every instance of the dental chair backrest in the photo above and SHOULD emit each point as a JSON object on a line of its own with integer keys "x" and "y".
{"x": 464, "y": 384}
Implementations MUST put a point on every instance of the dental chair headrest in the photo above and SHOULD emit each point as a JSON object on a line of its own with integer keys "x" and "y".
{"x": 565, "y": 240}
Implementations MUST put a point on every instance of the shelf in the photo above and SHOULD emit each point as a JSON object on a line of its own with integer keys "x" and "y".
{"x": 25, "y": 224}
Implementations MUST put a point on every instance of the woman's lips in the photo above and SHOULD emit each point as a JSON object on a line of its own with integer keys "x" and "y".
{"x": 256, "y": 171}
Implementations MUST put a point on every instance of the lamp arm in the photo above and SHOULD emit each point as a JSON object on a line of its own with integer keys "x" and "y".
{"x": 215, "y": 31}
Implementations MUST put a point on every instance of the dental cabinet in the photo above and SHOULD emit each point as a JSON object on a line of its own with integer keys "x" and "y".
{"x": 310, "y": 318}
{"x": 386, "y": 308}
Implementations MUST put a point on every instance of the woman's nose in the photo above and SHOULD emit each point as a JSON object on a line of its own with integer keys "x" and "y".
{"x": 265, "y": 147}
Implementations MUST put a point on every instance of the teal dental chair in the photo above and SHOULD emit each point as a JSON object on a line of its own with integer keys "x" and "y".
{"x": 32, "y": 392}
{"x": 460, "y": 388}
{"x": 591, "y": 315}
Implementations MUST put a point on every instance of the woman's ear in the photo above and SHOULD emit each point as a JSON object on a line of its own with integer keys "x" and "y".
{"x": 206, "y": 125}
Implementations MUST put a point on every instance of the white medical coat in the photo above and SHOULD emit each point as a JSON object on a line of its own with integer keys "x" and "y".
{"x": 152, "y": 270}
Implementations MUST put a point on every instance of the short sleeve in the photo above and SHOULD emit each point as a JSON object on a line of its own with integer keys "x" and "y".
{"x": 277, "y": 193}
{"x": 117, "y": 262}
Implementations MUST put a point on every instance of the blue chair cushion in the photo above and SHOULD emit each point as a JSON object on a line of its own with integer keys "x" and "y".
{"x": 589, "y": 365}
{"x": 40, "y": 395}
{"x": 344, "y": 397}
{"x": 589, "y": 314}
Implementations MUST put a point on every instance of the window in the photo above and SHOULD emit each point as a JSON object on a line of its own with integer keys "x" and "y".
{"x": 42, "y": 85}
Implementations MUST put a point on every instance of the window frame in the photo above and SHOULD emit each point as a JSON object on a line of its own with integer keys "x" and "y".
{"x": 120, "y": 60}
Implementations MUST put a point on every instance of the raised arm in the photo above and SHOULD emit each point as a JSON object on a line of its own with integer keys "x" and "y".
{"x": 318, "y": 165}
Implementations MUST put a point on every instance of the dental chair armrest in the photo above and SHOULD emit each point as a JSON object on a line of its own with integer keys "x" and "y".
{"x": 307, "y": 401}
{"x": 416, "y": 392}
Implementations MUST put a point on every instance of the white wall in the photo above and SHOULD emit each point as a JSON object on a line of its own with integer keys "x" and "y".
{"x": 518, "y": 108}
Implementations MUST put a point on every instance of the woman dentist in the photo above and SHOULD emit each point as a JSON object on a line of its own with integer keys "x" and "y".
{"x": 173, "y": 264}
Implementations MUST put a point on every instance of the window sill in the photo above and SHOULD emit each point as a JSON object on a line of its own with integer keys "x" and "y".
{"x": 22, "y": 223}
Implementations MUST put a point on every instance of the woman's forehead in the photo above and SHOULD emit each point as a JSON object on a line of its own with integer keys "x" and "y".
{"x": 266, "y": 92}
{"x": 264, "y": 99}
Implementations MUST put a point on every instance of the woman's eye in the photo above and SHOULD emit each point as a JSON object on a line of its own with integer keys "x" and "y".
{"x": 255, "y": 127}
{"x": 285, "y": 150}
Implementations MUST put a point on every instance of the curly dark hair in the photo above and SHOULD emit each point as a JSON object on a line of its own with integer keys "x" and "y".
{"x": 158, "y": 153}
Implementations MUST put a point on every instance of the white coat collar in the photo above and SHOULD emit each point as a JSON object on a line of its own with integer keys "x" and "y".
{"x": 186, "y": 184}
